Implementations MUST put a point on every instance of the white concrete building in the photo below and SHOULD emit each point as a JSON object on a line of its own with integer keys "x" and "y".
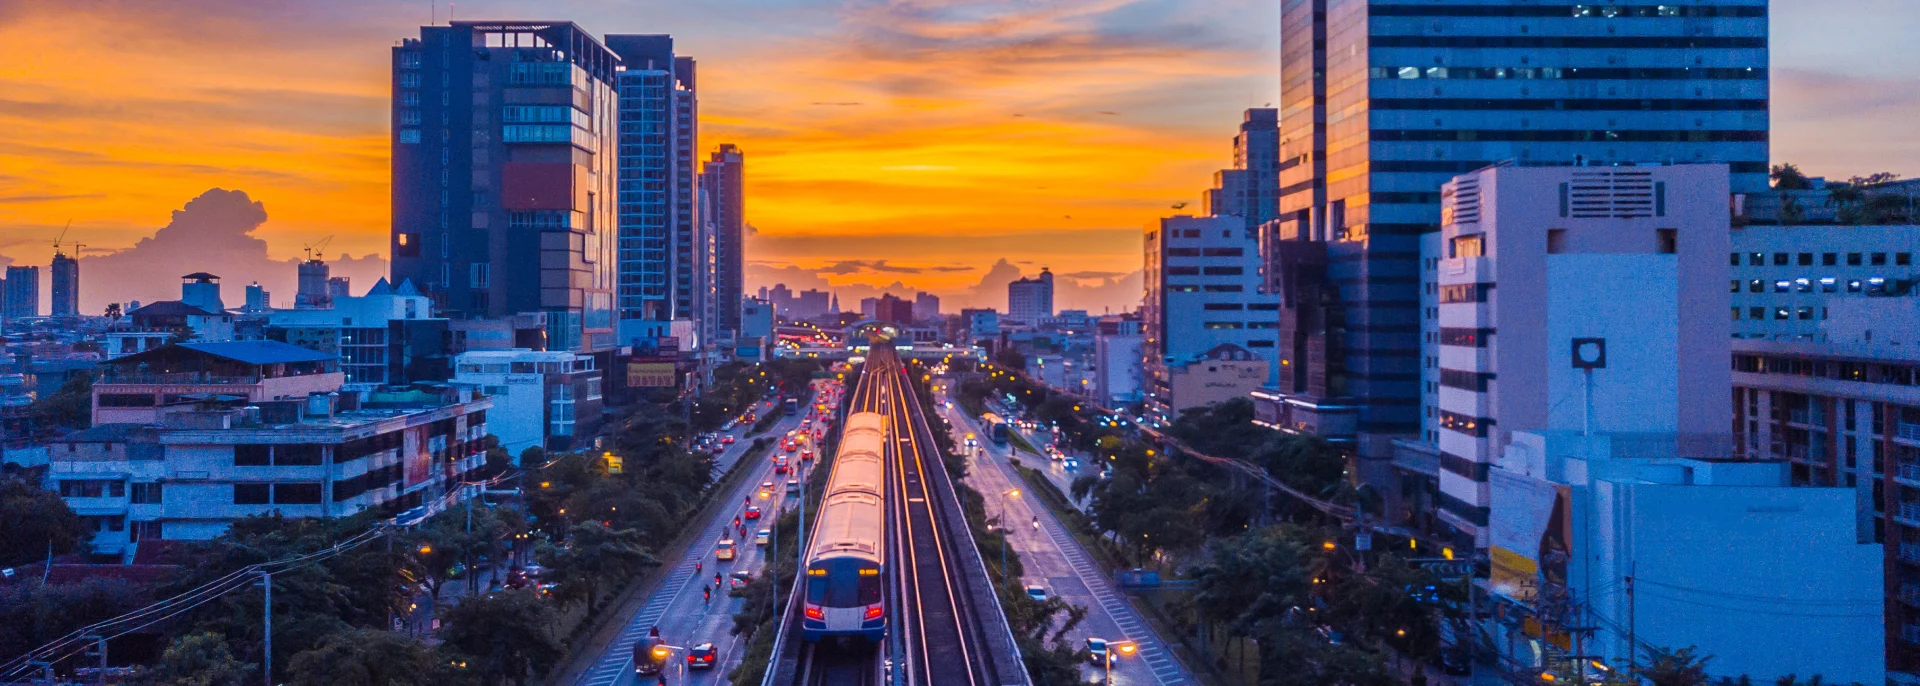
{"x": 369, "y": 333}
{"x": 191, "y": 474}
{"x": 1577, "y": 298}
{"x": 1636, "y": 541}
{"x": 1030, "y": 301}
{"x": 543, "y": 398}
{"x": 1203, "y": 290}
{"x": 1116, "y": 369}
{"x": 1785, "y": 280}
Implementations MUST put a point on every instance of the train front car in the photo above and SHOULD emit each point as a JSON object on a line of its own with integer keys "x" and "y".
{"x": 846, "y": 568}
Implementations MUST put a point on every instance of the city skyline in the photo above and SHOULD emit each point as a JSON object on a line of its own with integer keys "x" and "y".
{"x": 870, "y": 157}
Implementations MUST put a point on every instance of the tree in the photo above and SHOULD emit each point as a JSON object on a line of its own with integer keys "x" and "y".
{"x": 594, "y": 555}
{"x": 35, "y": 521}
{"x": 506, "y": 637}
{"x": 1787, "y": 177}
{"x": 202, "y": 659}
{"x": 1670, "y": 667}
{"x": 70, "y": 407}
{"x": 370, "y": 657}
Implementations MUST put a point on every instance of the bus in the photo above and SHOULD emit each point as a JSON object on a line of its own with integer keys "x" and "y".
{"x": 996, "y": 428}
{"x": 793, "y": 406}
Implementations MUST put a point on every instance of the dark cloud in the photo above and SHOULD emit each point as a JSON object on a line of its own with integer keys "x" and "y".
{"x": 213, "y": 233}
{"x": 16, "y": 199}
{"x": 857, "y": 266}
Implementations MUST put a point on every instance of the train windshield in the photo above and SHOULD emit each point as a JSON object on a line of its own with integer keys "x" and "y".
{"x": 853, "y": 587}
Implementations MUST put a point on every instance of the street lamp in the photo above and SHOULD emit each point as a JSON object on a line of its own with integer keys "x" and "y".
{"x": 1006, "y": 538}
{"x": 1116, "y": 649}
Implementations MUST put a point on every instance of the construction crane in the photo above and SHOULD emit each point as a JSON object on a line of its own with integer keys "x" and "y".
{"x": 313, "y": 249}
{"x": 61, "y": 237}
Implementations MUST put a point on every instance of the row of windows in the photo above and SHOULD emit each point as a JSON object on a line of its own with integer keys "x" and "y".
{"x": 277, "y": 494}
{"x": 1467, "y": 468}
{"x": 1466, "y": 424}
{"x": 1464, "y": 380}
{"x": 351, "y": 487}
{"x": 1208, "y": 271}
{"x": 1579, "y": 73}
{"x": 1465, "y": 293}
{"x": 1828, "y": 284}
{"x": 545, "y": 114}
{"x": 1577, "y": 11}
{"x": 1234, "y": 307}
{"x": 1210, "y": 288}
{"x": 291, "y": 455}
{"x": 1464, "y": 166}
{"x": 1205, "y": 252}
{"x": 1827, "y": 259}
{"x": 1865, "y": 372}
{"x": 1608, "y": 42}
{"x": 1563, "y": 104}
{"x": 1247, "y": 325}
{"x": 1468, "y": 337}
{"x": 1779, "y": 313}
{"x": 1569, "y": 135}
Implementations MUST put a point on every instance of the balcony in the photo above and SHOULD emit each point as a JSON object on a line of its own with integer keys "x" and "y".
{"x": 1906, "y": 431}
{"x": 1908, "y": 474}
{"x": 1908, "y": 514}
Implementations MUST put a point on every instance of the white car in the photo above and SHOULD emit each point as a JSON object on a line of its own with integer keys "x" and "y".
{"x": 1037, "y": 592}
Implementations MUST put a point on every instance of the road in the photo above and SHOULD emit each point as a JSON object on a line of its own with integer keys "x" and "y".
{"x": 1053, "y": 559}
{"x": 678, "y": 608}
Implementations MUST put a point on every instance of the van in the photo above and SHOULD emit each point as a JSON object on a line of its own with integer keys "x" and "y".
{"x": 724, "y": 551}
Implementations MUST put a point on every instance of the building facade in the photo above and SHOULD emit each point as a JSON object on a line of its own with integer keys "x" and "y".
{"x": 1573, "y": 298}
{"x": 64, "y": 287}
{"x": 547, "y": 399}
{"x": 388, "y": 337}
{"x": 504, "y": 166}
{"x": 722, "y": 183}
{"x": 1786, "y": 279}
{"x": 1031, "y": 300}
{"x": 1383, "y": 101}
{"x": 665, "y": 262}
{"x": 20, "y": 294}
{"x": 1203, "y": 290}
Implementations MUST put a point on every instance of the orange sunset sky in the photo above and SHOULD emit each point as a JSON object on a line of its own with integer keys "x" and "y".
{"x": 912, "y": 141}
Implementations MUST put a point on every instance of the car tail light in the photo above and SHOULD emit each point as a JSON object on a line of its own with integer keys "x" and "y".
{"x": 874, "y": 611}
{"x": 814, "y": 612}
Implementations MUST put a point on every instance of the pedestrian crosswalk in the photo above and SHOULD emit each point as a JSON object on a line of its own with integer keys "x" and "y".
{"x": 619, "y": 656}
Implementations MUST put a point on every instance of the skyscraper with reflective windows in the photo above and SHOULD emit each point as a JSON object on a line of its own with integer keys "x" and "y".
{"x": 503, "y": 174}
{"x": 721, "y": 185}
{"x": 1382, "y": 101}
{"x": 665, "y": 265}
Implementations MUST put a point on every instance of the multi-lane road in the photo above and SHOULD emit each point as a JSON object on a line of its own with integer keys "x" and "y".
{"x": 1054, "y": 560}
{"x": 679, "y": 608}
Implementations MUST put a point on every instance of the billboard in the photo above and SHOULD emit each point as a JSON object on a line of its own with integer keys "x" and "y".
{"x": 1522, "y": 509}
{"x": 645, "y": 372}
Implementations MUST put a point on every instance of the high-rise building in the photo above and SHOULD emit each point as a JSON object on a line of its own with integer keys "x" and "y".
{"x": 65, "y": 287}
{"x": 1031, "y": 300}
{"x": 1576, "y": 299}
{"x": 258, "y": 299}
{"x": 504, "y": 163}
{"x": 339, "y": 287}
{"x": 1251, "y": 189}
{"x": 20, "y": 295}
{"x": 1382, "y": 102}
{"x": 721, "y": 185}
{"x": 809, "y": 303}
{"x": 1203, "y": 292}
{"x": 312, "y": 286}
{"x": 665, "y": 256}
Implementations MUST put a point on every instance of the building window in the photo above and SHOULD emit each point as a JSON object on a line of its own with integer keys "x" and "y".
{"x": 1223, "y": 325}
{"x": 299, "y": 455}
{"x": 1803, "y": 285}
{"x": 1222, "y": 306}
{"x": 1806, "y": 313}
{"x": 1806, "y": 259}
{"x": 1828, "y": 259}
{"x": 146, "y": 494}
{"x": 1878, "y": 259}
{"x": 406, "y": 245}
{"x": 1466, "y": 424}
{"x": 1223, "y": 271}
{"x": 1756, "y": 286}
{"x": 1223, "y": 289}
{"x": 296, "y": 494}
{"x": 1782, "y": 286}
{"x": 1903, "y": 259}
{"x": 1464, "y": 380}
{"x": 1668, "y": 239}
{"x": 1853, "y": 259}
{"x": 1463, "y": 247}
{"x": 1468, "y": 337}
{"x": 252, "y": 494}
{"x": 1735, "y": 288}
{"x": 1780, "y": 259}
{"x": 252, "y": 455}
{"x": 1183, "y": 271}
{"x": 1828, "y": 284}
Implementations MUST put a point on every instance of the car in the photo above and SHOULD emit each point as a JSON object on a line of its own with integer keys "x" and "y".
{"x": 806, "y": 455}
{"x": 763, "y": 537}
{"x": 727, "y": 440}
{"x": 1097, "y": 651}
{"x": 780, "y": 468}
{"x": 1037, "y": 592}
{"x": 723, "y": 551}
{"x": 702, "y": 656}
{"x": 740, "y": 579}
{"x": 753, "y": 512}
{"x": 516, "y": 579}
{"x": 793, "y": 486}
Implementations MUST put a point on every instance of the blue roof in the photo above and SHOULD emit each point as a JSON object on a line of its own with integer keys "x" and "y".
{"x": 257, "y": 352}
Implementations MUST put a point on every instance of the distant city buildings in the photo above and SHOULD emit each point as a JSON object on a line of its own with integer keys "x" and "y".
{"x": 312, "y": 293}
{"x": 926, "y": 306}
{"x": 1030, "y": 300}
{"x": 388, "y": 337}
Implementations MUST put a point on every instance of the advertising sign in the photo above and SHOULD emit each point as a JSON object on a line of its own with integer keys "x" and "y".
{"x": 1522, "y": 508}
{"x": 651, "y": 374}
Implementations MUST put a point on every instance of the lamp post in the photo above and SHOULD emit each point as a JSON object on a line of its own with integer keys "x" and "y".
{"x": 1115, "y": 650}
{"x": 1006, "y": 533}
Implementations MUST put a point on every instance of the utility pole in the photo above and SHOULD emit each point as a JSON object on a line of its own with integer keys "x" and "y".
{"x": 473, "y": 577}
{"x": 266, "y": 626}
{"x": 1633, "y": 643}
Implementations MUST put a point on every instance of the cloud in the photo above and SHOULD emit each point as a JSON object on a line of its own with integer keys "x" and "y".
{"x": 1091, "y": 275}
{"x": 858, "y": 266}
{"x": 215, "y": 233}
{"x": 11, "y": 199}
